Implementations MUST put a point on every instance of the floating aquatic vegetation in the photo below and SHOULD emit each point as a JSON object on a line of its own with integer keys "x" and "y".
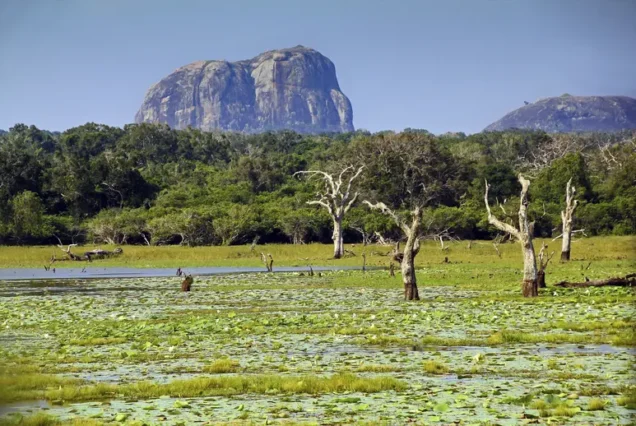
{"x": 341, "y": 348}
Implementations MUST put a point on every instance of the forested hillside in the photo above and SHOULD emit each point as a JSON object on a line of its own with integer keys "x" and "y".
{"x": 148, "y": 184}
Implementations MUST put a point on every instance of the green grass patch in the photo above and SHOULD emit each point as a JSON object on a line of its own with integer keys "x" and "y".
{"x": 227, "y": 385}
{"x": 43, "y": 419}
{"x": 377, "y": 368}
{"x": 16, "y": 387}
{"x": 222, "y": 366}
{"x": 596, "y": 404}
{"x": 435, "y": 367}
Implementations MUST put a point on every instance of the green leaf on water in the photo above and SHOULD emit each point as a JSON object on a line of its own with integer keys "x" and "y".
{"x": 441, "y": 407}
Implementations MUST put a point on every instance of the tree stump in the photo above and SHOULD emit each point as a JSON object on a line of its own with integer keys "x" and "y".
{"x": 186, "y": 285}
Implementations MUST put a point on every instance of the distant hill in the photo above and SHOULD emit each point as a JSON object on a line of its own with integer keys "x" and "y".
{"x": 293, "y": 89}
{"x": 568, "y": 113}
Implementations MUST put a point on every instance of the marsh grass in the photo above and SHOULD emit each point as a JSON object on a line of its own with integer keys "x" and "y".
{"x": 418, "y": 344}
{"x": 552, "y": 405}
{"x": 503, "y": 337}
{"x": 214, "y": 386}
{"x": 13, "y": 387}
{"x": 42, "y": 419}
{"x": 596, "y": 404}
{"x": 565, "y": 411}
{"x": 514, "y": 336}
{"x": 321, "y": 254}
{"x": 221, "y": 366}
{"x": 377, "y": 368}
{"x": 628, "y": 400}
{"x": 435, "y": 367}
{"x": 589, "y": 325}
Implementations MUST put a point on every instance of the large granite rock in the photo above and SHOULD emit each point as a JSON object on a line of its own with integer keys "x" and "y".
{"x": 572, "y": 114}
{"x": 292, "y": 88}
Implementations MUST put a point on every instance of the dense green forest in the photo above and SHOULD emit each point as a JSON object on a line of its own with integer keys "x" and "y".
{"x": 148, "y": 184}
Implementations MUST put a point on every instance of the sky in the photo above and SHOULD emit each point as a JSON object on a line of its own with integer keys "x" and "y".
{"x": 445, "y": 65}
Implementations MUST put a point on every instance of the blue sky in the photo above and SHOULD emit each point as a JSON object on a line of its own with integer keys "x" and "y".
{"x": 452, "y": 65}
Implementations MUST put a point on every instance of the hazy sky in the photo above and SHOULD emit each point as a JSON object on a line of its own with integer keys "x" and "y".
{"x": 445, "y": 65}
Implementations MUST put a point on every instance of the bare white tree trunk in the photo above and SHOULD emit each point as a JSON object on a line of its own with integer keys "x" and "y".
{"x": 567, "y": 217}
{"x": 338, "y": 246}
{"x": 337, "y": 200}
{"x": 529, "y": 286}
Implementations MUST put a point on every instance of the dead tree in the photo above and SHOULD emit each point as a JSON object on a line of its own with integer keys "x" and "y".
{"x": 523, "y": 235}
{"x": 543, "y": 264}
{"x": 381, "y": 240}
{"x": 627, "y": 281}
{"x": 496, "y": 242}
{"x": 566, "y": 218}
{"x": 336, "y": 199}
{"x": 254, "y": 242}
{"x": 411, "y": 247}
{"x": 268, "y": 261}
{"x": 409, "y": 173}
{"x": 87, "y": 256}
{"x": 551, "y": 148}
{"x": 366, "y": 237}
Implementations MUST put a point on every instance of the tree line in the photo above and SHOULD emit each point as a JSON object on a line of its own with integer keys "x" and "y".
{"x": 149, "y": 184}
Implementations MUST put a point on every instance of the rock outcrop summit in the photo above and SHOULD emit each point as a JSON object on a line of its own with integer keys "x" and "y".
{"x": 293, "y": 88}
{"x": 568, "y": 113}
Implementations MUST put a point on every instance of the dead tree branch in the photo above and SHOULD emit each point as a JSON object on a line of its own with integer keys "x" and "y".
{"x": 337, "y": 198}
{"x": 523, "y": 234}
{"x": 627, "y": 281}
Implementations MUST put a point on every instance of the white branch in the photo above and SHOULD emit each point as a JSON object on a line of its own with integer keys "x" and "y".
{"x": 350, "y": 203}
{"x": 334, "y": 200}
{"x": 387, "y": 211}
{"x": 502, "y": 226}
{"x": 327, "y": 177}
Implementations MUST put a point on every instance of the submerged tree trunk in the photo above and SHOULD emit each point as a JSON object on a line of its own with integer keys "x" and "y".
{"x": 544, "y": 259}
{"x": 529, "y": 287}
{"x": 566, "y": 218}
{"x": 338, "y": 247}
{"x": 541, "y": 279}
{"x": 408, "y": 269}
{"x": 411, "y": 248}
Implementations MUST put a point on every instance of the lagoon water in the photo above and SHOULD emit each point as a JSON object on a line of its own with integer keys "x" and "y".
{"x": 118, "y": 272}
